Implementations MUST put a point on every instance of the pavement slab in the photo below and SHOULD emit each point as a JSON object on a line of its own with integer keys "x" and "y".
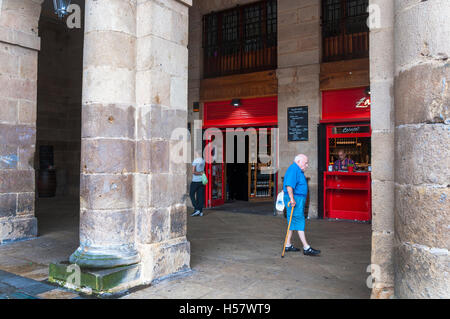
{"x": 234, "y": 254}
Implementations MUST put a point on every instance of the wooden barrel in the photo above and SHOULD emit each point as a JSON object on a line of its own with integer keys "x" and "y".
{"x": 46, "y": 183}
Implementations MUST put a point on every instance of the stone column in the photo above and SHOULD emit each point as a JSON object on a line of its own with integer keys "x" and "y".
{"x": 383, "y": 131}
{"x": 161, "y": 93}
{"x": 19, "y": 46}
{"x": 298, "y": 76}
{"x": 422, "y": 119}
{"x": 107, "y": 214}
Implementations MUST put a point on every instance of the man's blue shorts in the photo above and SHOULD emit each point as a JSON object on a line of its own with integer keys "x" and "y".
{"x": 298, "y": 218}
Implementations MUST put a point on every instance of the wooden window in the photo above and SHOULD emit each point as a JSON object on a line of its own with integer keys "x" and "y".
{"x": 241, "y": 39}
{"x": 345, "y": 33}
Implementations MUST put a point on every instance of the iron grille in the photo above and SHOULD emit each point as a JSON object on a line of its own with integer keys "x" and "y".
{"x": 241, "y": 39}
{"x": 345, "y": 33}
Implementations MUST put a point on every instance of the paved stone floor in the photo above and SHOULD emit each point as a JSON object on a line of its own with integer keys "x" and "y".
{"x": 233, "y": 255}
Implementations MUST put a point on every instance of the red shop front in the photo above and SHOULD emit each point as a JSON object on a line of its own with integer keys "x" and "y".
{"x": 249, "y": 178}
{"x": 345, "y": 137}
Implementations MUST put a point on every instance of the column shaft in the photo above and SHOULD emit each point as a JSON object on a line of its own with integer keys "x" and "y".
{"x": 107, "y": 213}
{"x": 422, "y": 96}
{"x": 383, "y": 150}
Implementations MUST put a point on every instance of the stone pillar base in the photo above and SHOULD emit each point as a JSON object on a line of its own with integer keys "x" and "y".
{"x": 164, "y": 259}
{"x": 104, "y": 257}
{"x": 17, "y": 229}
{"x": 97, "y": 281}
{"x": 382, "y": 293}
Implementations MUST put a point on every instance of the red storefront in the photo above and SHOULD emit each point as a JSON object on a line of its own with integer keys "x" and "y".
{"x": 259, "y": 114}
{"x": 345, "y": 192}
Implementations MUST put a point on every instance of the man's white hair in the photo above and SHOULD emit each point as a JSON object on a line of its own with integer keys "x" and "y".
{"x": 300, "y": 158}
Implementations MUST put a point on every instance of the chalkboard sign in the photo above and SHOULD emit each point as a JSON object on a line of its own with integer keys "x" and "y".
{"x": 298, "y": 123}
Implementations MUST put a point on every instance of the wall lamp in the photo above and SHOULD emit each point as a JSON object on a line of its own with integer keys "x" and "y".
{"x": 196, "y": 106}
{"x": 60, "y": 7}
{"x": 236, "y": 102}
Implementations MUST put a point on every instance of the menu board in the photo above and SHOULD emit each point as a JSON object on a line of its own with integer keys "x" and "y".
{"x": 298, "y": 123}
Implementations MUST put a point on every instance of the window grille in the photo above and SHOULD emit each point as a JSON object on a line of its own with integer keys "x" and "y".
{"x": 241, "y": 39}
{"x": 345, "y": 33}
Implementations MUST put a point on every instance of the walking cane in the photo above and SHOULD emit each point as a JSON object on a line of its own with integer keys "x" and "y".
{"x": 287, "y": 232}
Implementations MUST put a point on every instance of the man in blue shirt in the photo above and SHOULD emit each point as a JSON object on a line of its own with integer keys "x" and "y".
{"x": 295, "y": 190}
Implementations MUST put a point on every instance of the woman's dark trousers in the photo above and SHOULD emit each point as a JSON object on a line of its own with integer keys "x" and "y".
{"x": 197, "y": 194}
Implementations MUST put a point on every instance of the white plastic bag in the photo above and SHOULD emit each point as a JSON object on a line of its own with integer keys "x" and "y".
{"x": 280, "y": 201}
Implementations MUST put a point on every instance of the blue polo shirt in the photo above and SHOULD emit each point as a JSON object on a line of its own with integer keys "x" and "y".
{"x": 296, "y": 179}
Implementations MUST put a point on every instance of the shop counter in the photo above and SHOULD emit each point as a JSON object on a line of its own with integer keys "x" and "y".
{"x": 347, "y": 195}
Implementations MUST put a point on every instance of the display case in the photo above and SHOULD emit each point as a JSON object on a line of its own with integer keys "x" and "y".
{"x": 354, "y": 140}
{"x": 261, "y": 176}
{"x": 261, "y": 182}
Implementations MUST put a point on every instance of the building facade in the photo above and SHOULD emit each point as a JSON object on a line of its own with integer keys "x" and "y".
{"x": 148, "y": 63}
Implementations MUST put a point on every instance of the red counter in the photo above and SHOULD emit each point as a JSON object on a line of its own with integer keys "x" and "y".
{"x": 347, "y": 196}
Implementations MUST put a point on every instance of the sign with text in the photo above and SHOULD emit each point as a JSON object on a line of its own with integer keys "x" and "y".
{"x": 298, "y": 123}
{"x": 351, "y": 129}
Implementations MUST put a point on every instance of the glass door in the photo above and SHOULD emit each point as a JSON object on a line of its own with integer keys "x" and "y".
{"x": 214, "y": 157}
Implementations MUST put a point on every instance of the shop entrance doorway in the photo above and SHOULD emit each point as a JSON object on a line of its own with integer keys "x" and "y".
{"x": 237, "y": 175}
{"x": 240, "y": 150}
{"x": 240, "y": 165}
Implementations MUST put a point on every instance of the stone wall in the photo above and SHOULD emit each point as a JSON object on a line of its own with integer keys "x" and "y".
{"x": 422, "y": 168}
{"x": 298, "y": 73}
{"x": 19, "y": 45}
{"x": 298, "y": 82}
{"x": 196, "y": 13}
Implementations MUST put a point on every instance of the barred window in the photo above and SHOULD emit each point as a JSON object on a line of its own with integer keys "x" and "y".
{"x": 241, "y": 39}
{"x": 211, "y": 37}
{"x": 345, "y": 32}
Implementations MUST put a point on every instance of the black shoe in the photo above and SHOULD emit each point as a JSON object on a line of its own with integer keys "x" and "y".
{"x": 311, "y": 252}
{"x": 291, "y": 248}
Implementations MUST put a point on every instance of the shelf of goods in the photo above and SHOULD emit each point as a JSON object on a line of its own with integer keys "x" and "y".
{"x": 260, "y": 184}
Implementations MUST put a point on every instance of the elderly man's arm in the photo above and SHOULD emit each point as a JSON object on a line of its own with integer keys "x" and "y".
{"x": 291, "y": 195}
